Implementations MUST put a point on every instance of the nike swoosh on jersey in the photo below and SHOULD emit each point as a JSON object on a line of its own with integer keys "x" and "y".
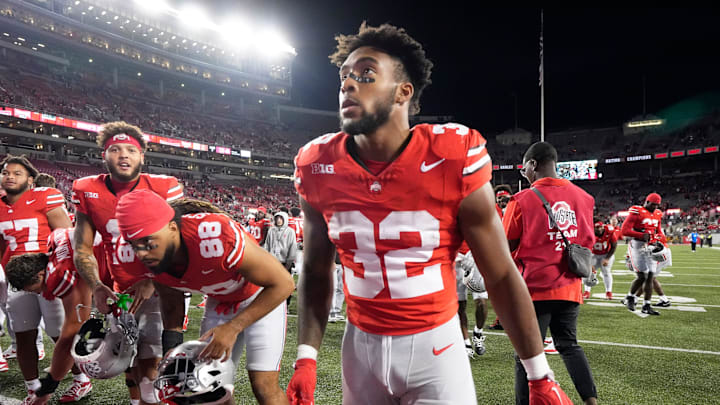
{"x": 426, "y": 168}
{"x": 29, "y": 202}
{"x": 132, "y": 235}
{"x": 439, "y": 352}
{"x": 205, "y": 272}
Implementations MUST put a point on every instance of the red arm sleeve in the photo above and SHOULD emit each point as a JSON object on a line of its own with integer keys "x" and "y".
{"x": 629, "y": 225}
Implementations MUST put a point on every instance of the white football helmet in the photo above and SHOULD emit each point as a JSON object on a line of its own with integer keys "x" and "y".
{"x": 184, "y": 380}
{"x": 661, "y": 254}
{"x": 472, "y": 278}
{"x": 105, "y": 349}
{"x": 591, "y": 280}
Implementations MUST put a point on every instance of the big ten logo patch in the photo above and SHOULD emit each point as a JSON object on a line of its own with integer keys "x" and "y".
{"x": 319, "y": 168}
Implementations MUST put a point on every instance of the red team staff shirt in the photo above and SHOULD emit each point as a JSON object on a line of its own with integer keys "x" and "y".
{"x": 60, "y": 275}
{"x": 216, "y": 247}
{"x": 24, "y": 225}
{"x": 396, "y": 232}
{"x": 93, "y": 196}
{"x": 603, "y": 243}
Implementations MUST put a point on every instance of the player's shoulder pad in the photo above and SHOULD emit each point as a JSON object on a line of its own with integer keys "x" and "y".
{"x": 46, "y": 190}
{"x": 325, "y": 149}
{"x": 635, "y": 209}
{"x": 84, "y": 182}
{"x": 451, "y": 141}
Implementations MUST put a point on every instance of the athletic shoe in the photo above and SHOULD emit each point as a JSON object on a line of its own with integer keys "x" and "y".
{"x": 547, "y": 340}
{"x": 550, "y": 349}
{"x": 41, "y": 352}
{"x": 630, "y": 303}
{"x": 586, "y": 295}
{"x": 202, "y": 304}
{"x": 186, "y": 320}
{"x": 647, "y": 309}
{"x": 663, "y": 304}
{"x": 10, "y": 353}
{"x": 496, "y": 325}
{"x": 478, "y": 341}
{"x": 3, "y": 365}
{"x": 608, "y": 295}
{"x": 77, "y": 391}
{"x": 469, "y": 351}
{"x": 339, "y": 318}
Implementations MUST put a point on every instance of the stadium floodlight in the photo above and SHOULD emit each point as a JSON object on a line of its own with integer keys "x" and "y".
{"x": 272, "y": 43}
{"x": 193, "y": 16}
{"x": 153, "y": 6}
{"x": 237, "y": 33}
{"x": 645, "y": 123}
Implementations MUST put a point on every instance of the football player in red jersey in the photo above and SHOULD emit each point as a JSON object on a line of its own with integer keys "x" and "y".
{"x": 503, "y": 192}
{"x": 53, "y": 276}
{"x": 396, "y": 202}
{"x": 195, "y": 247}
{"x": 27, "y": 216}
{"x": 95, "y": 198}
{"x": 604, "y": 254}
{"x": 259, "y": 226}
{"x": 643, "y": 224}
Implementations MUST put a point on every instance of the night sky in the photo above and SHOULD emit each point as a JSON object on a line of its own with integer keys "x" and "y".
{"x": 595, "y": 59}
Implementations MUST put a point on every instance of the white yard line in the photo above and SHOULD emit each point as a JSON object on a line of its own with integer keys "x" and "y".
{"x": 9, "y": 401}
{"x": 593, "y": 342}
{"x": 680, "y": 285}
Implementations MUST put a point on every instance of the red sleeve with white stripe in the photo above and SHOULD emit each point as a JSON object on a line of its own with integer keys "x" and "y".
{"x": 628, "y": 227}
{"x": 59, "y": 281}
{"x": 54, "y": 199}
{"x": 477, "y": 169}
{"x": 175, "y": 190}
{"x": 237, "y": 248}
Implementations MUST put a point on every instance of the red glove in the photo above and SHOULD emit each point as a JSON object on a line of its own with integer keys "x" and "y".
{"x": 301, "y": 389}
{"x": 545, "y": 391}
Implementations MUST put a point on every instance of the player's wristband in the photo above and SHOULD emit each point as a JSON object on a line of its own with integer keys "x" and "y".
{"x": 307, "y": 352}
{"x": 170, "y": 340}
{"x": 536, "y": 367}
{"x": 47, "y": 386}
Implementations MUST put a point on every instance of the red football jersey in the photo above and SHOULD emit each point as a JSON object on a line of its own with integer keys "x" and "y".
{"x": 216, "y": 246}
{"x": 396, "y": 232}
{"x": 616, "y": 231}
{"x": 296, "y": 223}
{"x": 60, "y": 275}
{"x": 642, "y": 221}
{"x": 258, "y": 229}
{"x": 24, "y": 225}
{"x": 603, "y": 243}
{"x": 94, "y": 197}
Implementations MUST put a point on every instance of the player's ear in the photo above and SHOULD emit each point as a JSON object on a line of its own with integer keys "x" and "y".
{"x": 173, "y": 226}
{"x": 404, "y": 92}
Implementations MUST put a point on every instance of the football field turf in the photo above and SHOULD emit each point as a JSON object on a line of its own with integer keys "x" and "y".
{"x": 673, "y": 358}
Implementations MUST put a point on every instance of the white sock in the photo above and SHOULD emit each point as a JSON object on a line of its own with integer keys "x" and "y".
{"x": 646, "y": 302}
{"x": 82, "y": 378}
{"x": 476, "y": 330}
{"x": 32, "y": 385}
{"x": 467, "y": 342}
{"x": 134, "y": 402}
{"x": 663, "y": 298}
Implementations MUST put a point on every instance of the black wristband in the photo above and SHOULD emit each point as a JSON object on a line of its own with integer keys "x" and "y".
{"x": 170, "y": 340}
{"x": 47, "y": 386}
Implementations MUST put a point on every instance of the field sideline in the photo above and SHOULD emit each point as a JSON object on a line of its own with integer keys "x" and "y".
{"x": 668, "y": 359}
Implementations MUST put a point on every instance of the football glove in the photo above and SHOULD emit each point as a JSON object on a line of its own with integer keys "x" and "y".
{"x": 301, "y": 389}
{"x": 545, "y": 391}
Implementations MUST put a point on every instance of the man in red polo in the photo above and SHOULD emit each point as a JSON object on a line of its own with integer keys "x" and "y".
{"x": 538, "y": 250}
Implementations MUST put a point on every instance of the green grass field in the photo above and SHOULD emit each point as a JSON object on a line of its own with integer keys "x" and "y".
{"x": 673, "y": 358}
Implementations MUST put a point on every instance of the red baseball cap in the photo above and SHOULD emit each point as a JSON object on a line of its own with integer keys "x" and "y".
{"x": 262, "y": 209}
{"x": 599, "y": 223}
{"x": 502, "y": 193}
{"x": 141, "y": 213}
{"x": 654, "y": 198}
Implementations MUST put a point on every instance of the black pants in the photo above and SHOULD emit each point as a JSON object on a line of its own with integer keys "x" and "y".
{"x": 561, "y": 317}
{"x": 692, "y": 244}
